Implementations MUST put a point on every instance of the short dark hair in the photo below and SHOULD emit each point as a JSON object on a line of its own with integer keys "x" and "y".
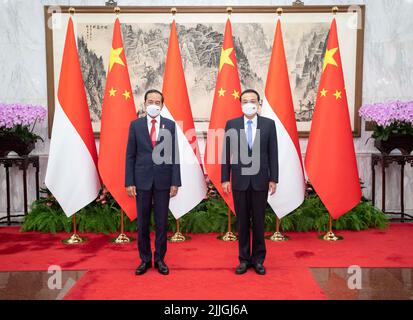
{"x": 153, "y": 91}
{"x": 250, "y": 91}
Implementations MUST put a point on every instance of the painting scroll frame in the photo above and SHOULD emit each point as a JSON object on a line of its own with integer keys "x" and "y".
{"x": 215, "y": 13}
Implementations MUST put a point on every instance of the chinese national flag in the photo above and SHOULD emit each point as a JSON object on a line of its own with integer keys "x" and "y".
{"x": 118, "y": 111}
{"x": 330, "y": 159}
{"x": 226, "y": 106}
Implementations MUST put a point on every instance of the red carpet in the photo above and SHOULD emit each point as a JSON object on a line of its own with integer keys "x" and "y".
{"x": 203, "y": 268}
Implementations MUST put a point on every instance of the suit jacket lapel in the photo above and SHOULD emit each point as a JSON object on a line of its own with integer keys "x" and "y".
{"x": 257, "y": 132}
{"x": 146, "y": 135}
{"x": 243, "y": 137}
{"x": 161, "y": 127}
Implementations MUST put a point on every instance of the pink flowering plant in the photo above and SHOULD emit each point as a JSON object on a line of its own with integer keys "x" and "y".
{"x": 19, "y": 120}
{"x": 390, "y": 118}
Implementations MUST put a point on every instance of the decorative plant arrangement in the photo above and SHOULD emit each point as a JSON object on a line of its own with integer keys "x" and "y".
{"x": 17, "y": 122}
{"x": 210, "y": 215}
{"x": 393, "y": 125}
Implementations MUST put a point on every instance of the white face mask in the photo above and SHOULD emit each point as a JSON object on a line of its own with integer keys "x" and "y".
{"x": 153, "y": 110}
{"x": 249, "y": 109}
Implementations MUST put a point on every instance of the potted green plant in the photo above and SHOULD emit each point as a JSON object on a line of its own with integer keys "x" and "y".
{"x": 393, "y": 125}
{"x": 17, "y": 122}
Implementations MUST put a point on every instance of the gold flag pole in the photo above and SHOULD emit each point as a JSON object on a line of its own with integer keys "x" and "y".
{"x": 74, "y": 238}
{"x": 330, "y": 236}
{"x": 178, "y": 235}
{"x": 122, "y": 237}
{"x": 278, "y": 236}
{"x": 229, "y": 236}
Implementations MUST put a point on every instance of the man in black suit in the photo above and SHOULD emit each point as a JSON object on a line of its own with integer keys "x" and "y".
{"x": 250, "y": 169}
{"x": 152, "y": 176}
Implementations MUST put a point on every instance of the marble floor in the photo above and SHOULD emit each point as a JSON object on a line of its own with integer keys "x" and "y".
{"x": 37, "y": 285}
{"x": 376, "y": 283}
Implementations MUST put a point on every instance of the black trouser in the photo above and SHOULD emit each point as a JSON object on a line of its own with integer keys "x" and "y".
{"x": 160, "y": 201}
{"x": 250, "y": 205}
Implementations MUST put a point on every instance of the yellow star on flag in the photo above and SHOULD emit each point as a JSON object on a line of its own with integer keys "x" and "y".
{"x": 126, "y": 94}
{"x": 221, "y": 92}
{"x": 225, "y": 59}
{"x": 329, "y": 58}
{"x": 323, "y": 92}
{"x": 115, "y": 57}
{"x": 337, "y": 94}
{"x": 112, "y": 92}
{"x": 235, "y": 94}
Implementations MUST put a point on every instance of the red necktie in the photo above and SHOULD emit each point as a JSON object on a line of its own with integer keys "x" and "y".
{"x": 153, "y": 133}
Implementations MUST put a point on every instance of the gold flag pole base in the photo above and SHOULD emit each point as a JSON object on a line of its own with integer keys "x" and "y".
{"x": 122, "y": 237}
{"x": 229, "y": 236}
{"x": 178, "y": 236}
{"x": 277, "y": 236}
{"x": 74, "y": 238}
{"x": 330, "y": 236}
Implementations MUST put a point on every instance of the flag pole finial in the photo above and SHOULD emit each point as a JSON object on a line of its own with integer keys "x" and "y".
{"x": 72, "y": 11}
{"x": 174, "y": 11}
{"x": 279, "y": 11}
{"x": 334, "y": 10}
{"x": 116, "y": 10}
{"x": 229, "y": 11}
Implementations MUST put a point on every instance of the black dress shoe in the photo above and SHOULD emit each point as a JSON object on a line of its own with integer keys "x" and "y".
{"x": 162, "y": 267}
{"x": 242, "y": 268}
{"x": 259, "y": 268}
{"x": 143, "y": 267}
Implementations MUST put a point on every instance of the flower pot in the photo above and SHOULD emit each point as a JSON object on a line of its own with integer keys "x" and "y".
{"x": 403, "y": 142}
{"x": 16, "y": 144}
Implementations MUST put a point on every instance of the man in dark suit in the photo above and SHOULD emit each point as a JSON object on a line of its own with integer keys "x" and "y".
{"x": 152, "y": 176}
{"x": 250, "y": 169}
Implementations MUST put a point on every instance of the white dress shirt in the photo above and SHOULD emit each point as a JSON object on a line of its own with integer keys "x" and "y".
{"x": 157, "y": 124}
{"x": 253, "y": 125}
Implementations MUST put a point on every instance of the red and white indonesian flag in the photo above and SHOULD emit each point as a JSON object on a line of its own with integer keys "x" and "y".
{"x": 278, "y": 105}
{"x": 72, "y": 175}
{"x": 177, "y": 108}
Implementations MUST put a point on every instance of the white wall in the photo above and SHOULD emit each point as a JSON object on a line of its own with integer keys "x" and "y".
{"x": 387, "y": 75}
